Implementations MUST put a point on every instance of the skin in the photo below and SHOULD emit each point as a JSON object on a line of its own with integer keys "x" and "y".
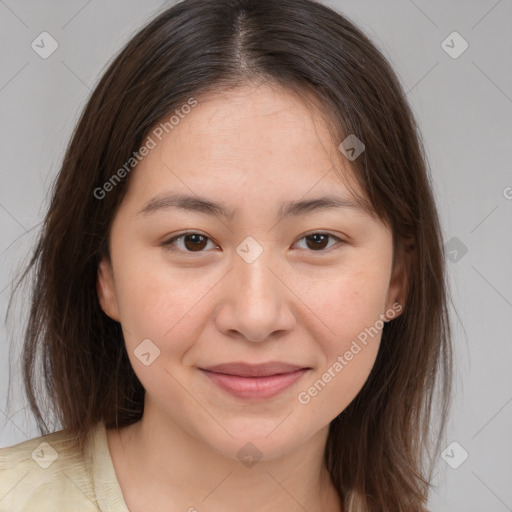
{"x": 251, "y": 149}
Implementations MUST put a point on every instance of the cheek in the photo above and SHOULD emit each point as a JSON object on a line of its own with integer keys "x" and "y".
{"x": 161, "y": 303}
{"x": 344, "y": 303}
{"x": 345, "y": 369}
{"x": 335, "y": 386}
{"x": 166, "y": 308}
{"x": 349, "y": 305}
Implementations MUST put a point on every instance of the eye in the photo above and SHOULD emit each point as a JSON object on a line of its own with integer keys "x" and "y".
{"x": 317, "y": 241}
{"x": 190, "y": 242}
{"x": 196, "y": 242}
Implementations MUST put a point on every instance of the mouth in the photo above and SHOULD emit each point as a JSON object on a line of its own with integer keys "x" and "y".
{"x": 254, "y": 382}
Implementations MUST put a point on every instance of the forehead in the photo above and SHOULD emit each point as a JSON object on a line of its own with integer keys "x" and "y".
{"x": 261, "y": 140}
{"x": 263, "y": 117}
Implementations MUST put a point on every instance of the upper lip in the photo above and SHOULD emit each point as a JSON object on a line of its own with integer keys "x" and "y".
{"x": 241, "y": 369}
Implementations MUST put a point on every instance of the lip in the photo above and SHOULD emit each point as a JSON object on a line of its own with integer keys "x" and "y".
{"x": 254, "y": 382}
{"x": 242, "y": 369}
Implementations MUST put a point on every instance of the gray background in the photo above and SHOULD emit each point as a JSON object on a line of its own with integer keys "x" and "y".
{"x": 463, "y": 106}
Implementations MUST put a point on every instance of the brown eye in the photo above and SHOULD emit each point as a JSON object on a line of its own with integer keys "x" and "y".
{"x": 319, "y": 241}
{"x": 197, "y": 242}
{"x": 190, "y": 242}
{"x": 194, "y": 242}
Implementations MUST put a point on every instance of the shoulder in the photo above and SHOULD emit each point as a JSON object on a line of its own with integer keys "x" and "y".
{"x": 46, "y": 473}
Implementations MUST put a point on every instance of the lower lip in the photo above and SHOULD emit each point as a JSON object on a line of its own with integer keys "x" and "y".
{"x": 255, "y": 388}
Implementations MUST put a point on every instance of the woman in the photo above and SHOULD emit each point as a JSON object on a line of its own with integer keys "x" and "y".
{"x": 239, "y": 291}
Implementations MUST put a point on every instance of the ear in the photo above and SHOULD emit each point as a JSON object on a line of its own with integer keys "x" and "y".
{"x": 398, "y": 290}
{"x": 106, "y": 289}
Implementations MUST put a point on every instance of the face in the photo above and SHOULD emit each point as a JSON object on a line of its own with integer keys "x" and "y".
{"x": 195, "y": 286}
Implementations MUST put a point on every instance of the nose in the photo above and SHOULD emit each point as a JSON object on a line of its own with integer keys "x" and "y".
{"x": 256, "y": 303}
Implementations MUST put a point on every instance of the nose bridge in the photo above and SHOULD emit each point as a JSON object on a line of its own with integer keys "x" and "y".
{"x": 257, "y": 303}
{"x": 254, "y": 275}
{"x": 257, "y": 283}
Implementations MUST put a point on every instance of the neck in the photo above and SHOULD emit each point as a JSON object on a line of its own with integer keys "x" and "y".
{"x": 158, "y": 463}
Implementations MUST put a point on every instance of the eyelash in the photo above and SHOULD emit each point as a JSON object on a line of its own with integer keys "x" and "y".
{"x": 168, "y": 243}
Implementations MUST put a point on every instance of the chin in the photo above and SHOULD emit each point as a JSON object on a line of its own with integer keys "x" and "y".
{"x": 253, "y": 439}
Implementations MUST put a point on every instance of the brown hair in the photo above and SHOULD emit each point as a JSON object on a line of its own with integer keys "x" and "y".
{"x": 377, "y": 447}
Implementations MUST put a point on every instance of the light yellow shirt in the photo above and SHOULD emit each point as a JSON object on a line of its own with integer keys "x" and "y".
{"x": 45, "y": 474}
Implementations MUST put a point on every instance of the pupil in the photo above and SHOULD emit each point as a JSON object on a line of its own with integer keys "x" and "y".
{"x": 316, "y": 237}
{"x": 195, "y": 245}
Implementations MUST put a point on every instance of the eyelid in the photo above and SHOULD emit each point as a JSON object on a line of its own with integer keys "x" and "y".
{"x": 168, "y": 243}
{"x": 320, "y": 232}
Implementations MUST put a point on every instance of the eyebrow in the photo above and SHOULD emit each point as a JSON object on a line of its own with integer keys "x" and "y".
{"x": 205, "y": 206}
